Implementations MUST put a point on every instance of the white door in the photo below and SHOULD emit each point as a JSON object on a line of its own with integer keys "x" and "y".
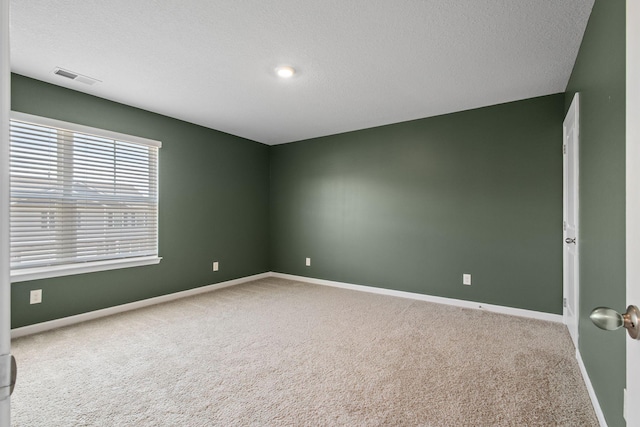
{"x": 633, "y": 204}
{"x": 5, "y": 320}
{"x": 570, "y": 220}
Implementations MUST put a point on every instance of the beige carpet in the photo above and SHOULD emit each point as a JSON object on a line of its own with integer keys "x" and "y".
{"x": 276, "y": 352}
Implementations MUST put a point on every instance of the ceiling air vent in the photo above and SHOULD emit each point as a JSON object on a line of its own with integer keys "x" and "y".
{"x": 75, "y": 76}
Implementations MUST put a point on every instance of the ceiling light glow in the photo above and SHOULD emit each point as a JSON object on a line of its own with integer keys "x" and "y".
{"x": 285, "y": 71}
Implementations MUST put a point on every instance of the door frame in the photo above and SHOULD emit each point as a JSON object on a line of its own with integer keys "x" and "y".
{"x": 632, "y": 391}
{"x": 572, "y": 115}
{"x": 5, "y": 284}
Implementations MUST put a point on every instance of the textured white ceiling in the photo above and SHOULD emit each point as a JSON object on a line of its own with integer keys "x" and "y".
{"x": 361, "y": 63}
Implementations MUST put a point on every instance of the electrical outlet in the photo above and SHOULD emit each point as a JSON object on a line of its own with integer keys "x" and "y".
{"x": 308, "y": 262}
{"x": 466, "y": 279}
{"x": 216, "y": 266}
{"x": 35, "y": 297}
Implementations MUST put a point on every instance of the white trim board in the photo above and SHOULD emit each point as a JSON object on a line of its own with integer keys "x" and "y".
{"x": 592, "y": 392}
{"x": 81, "y": 268}
{"x": 557, "y": 318}
{"x": 66, "y": 321}
{"x": 102, "y": 133}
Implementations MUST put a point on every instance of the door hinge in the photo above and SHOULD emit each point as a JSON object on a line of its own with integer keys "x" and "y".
{"x": 5, "y": 375}
{"x": 564, "y": 149}
{"x": 8, "y": 372}
{"x": 564, "y": 302}
{"x": 564, "y": 225}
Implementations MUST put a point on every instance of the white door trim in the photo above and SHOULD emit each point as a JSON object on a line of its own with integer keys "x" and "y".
{"x": 571, "y": 279}
{"x": 632, "y": 404}
{"x": 5, "y": 291}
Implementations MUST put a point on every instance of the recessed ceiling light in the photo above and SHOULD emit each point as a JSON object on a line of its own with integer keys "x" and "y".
{"x": 285, "y": 71}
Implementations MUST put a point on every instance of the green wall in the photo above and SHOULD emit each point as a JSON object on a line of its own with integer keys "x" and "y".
{"x": 599, "y": 76}
{"x": 413, "y": 206}
{"x": 213, "y": 206}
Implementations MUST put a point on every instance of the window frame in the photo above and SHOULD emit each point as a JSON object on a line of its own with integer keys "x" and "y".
{"x": 43, "y": 272}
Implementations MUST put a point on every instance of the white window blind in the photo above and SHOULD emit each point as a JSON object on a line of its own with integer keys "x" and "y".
{"x": 80, "y": 195}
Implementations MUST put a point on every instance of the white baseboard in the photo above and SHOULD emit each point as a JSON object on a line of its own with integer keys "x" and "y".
{"x": 66, "y": 321}
{"x": 557, "y": 318}
{"x": 590, "y": 389}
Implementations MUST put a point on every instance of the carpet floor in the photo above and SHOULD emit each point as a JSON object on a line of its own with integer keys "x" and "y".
{"x": 275, "y": 352}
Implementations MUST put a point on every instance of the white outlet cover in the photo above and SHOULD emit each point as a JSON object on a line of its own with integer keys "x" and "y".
{"x": 466, "y": 279}
{"x": 216, "y": 266}
{"x": 308, "y": 262}
{"x": 35, "y": 297}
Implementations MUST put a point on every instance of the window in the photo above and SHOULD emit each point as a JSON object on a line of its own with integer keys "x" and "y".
{"x": 82, "y": 199}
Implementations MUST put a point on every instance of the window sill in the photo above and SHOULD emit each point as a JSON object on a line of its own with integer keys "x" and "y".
{"x": 81, "y": 268}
